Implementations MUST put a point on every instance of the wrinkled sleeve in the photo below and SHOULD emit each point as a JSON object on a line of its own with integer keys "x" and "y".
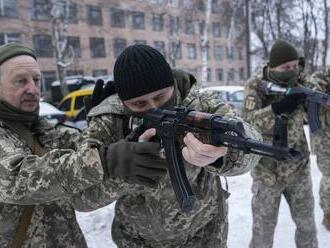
{"x": 102, "y": 130}
{"x": 235, "y": 162}
{"x": 31, "y": 179}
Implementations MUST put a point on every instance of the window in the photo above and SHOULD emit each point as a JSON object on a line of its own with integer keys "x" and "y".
{"x": 237, "y": 96}
{"x": 174, "y": 24}
{"x": 8, "y": 8}
{"x": 156, "y": 1}
{"x": 241, "y": 73}
{"x": 79, "y": 102}
{"x": 42, "y": 44}
{"x": 201, "y": 27}
{"x": 189, "y": 26}
{"x": 226, "y": 30}
{"x": 69, "y": 11}
{"x": 215, "y": 7}
{"x": 138, "y": 20}
{"x": 209, "y": 75}
{"x": 230, "y": 53}
{"x": 240, "y": 53}
{"x": 74, "y": 42}
{"x": 187, "y": 4}
{"x": 206, "y": 49}
{"x": 201, "y": 5}
{"x": 176, "y": 50}
{"x": 48, "y": 77}
{"x": 41, "y": 10}
{"x": 160, "y": 46}
{"x": 9, "y": 37}
{"x": 191, "y": 51}
{"x": 74, "y": 72}
{"x": 65, "y": 106}
{"x": 97, "y": 47}
{"x": 216, "y": 29}
{"x": 173, "y": 3}
{"x": 157, "y": 22}
{"x": 219, "y": 74}
{"x": 141, "y": 42}
{"x": 117, "y": 18}
{"x": 94, "y": 15}
{"x": 218, "y": 53}
{"x": 231, "y": 74}
{"x": 119, "y": 45}
{"x": 100, "y": 72}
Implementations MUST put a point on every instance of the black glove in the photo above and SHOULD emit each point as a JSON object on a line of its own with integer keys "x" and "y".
{"x": 99, "y": 94}
{"x": 288, "y": 104}
{"x": 135, "y": 162}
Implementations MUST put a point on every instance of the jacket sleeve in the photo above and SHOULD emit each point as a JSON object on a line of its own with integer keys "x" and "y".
{"x": 259, "y": 116}
{"x": 235, "y": 162}
{"x": 29, "y": 179}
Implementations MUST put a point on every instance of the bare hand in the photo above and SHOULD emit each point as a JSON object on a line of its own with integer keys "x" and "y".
{"x": 147, "y": 135}
{"x": 200, "y": 154}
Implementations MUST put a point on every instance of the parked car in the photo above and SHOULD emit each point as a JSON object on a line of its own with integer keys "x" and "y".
{"x": 73, "y": 102}
{"x": 51, "y": 113}
{"x": 232, "y": 94}
{"x": 74, "y": 83}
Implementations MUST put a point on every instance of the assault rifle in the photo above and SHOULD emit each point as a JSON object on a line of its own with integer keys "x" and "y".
{"x": 171, "y": 124}
{"x": 314, "y": 99}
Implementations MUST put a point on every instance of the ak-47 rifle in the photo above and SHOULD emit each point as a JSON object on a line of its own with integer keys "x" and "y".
{"x": 314, "y": 99}
{"x": 171, "y": 124}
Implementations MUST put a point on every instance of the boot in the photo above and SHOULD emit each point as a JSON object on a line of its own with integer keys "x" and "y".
{"x": 326, "y": 221}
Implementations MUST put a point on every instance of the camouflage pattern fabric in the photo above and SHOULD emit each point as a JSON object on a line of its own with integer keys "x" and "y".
{"x": 273, "y": 178}
{"x": 320, "y": 80}
{"x": 50, "y": 182}
{"x": 151, "y": 217}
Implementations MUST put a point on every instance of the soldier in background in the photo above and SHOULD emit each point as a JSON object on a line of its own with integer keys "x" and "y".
{"x": 320, "y": 80}
{"x": 272, "y": 179}
{"x": 152, "y": 217}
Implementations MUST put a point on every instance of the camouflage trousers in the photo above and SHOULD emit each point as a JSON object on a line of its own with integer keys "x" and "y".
{"x": 213, "y": 235}
{"x": 265, "y": 206}
{"x": 324, "y": 166}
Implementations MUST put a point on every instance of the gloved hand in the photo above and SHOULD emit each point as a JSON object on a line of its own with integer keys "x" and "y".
{"x": 135, "y": 162}
{"x": 99, "y": 94}
{"x": 288, "y": 104}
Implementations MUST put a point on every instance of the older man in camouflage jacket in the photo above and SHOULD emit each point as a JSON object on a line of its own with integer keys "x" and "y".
{"x": 152, "y": 217}
{"x": 272, "y": 179}
{"x": 46, "y": 172}
{"x": 320, "y": 80}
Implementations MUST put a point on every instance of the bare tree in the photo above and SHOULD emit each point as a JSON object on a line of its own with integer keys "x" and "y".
{"x": 326, "y": 33}
{"x": 64, "y": 53}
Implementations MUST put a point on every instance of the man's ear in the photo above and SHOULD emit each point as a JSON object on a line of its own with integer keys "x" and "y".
{"x": 301, "y": 63}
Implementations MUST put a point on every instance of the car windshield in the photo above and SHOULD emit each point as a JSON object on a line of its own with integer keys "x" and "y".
{"x": 237, "y": 96}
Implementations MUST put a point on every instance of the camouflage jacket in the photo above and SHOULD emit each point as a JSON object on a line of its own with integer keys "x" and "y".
{"x": 153, "y": 214}
{"x": 61, "y": 180}
{"x": 320, "y": 80}
{"x": 258, "y": 112}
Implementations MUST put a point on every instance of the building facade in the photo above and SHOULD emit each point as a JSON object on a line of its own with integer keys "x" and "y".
{"x": 99, "y": 30}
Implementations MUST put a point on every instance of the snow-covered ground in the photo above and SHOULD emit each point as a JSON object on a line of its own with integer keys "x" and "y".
{"x": 96, "y": 225}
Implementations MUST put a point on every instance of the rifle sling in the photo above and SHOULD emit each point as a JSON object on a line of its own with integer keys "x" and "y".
{"x": 27, "y": 213}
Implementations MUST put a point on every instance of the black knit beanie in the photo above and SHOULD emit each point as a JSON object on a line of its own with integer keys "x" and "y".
{"x": 282, "y": 52}
{"x": 139, "y": 70}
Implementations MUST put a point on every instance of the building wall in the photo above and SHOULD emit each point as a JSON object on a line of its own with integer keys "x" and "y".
{"x": 26, "y": 24}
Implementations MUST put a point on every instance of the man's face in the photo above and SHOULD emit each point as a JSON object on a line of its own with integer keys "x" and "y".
{"x": 20, "y": 82}
{"x": 288, "y": 66}
{"x": 151, "y": 100}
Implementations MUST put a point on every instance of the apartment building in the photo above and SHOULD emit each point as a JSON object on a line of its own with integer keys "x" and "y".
{"x": 99, "y": 30}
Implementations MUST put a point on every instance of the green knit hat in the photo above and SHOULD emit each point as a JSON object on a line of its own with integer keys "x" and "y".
{"x": 281, "y": 53}
{"x": 11, "y": 50}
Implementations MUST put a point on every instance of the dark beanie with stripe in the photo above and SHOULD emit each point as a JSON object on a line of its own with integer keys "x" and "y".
{"x": 282, "y": 52}
{"x": 11, "y": 50}
{"x": 139, "y": 70}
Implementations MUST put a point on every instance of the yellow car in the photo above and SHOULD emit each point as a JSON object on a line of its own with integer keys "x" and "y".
{"x": 73, "y": 102}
